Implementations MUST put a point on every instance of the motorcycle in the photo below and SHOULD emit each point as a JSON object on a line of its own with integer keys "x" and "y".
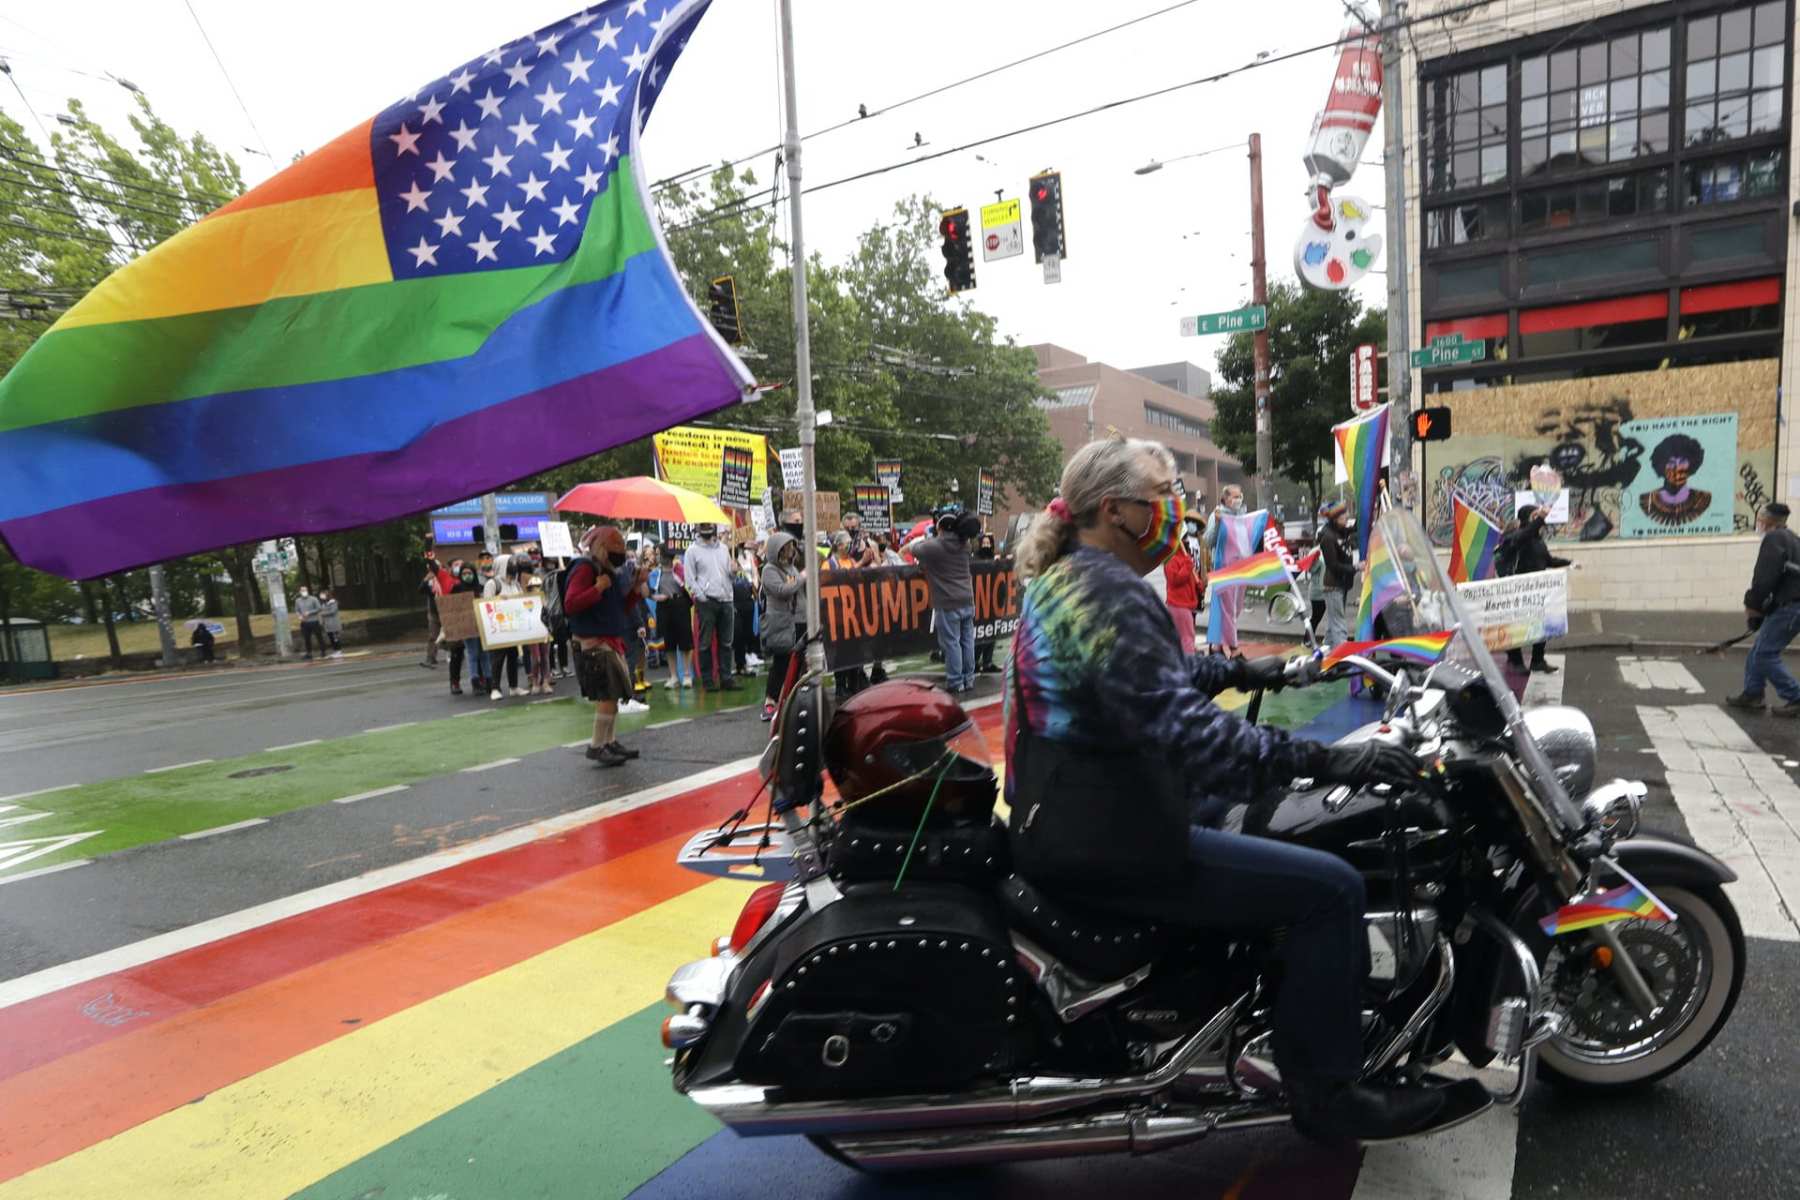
{"x": 905, "y": 1002}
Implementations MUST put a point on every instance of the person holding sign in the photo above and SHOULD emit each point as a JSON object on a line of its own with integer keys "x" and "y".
{"x": 602, "y": 588}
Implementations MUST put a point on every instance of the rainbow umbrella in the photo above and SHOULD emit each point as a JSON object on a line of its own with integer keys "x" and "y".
{"x": 642, "y": 498}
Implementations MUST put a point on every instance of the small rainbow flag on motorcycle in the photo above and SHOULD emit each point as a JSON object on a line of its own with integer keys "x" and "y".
{"x": 1258, "y": 570}
{"x": 1423, "y": 648}
{"x": 1623, "y": 903}
{"x": 1472, "y": 543}
{"x": 1381, "y": 584}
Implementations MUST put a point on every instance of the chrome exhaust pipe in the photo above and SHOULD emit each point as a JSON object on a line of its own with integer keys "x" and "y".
{"x": 751, "y": 1110}
{"x": 1136, "y": 1131}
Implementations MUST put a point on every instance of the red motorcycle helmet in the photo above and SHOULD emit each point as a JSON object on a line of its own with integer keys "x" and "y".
{"x": 890, "y": 747}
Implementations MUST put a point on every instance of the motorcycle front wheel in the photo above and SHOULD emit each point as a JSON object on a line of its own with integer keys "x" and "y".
{"x": 1694, "y": 966}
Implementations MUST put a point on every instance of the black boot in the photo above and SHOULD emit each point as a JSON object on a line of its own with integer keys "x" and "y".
{"x": 1541, "y": 667}
{"x": 1335, "y": 1112}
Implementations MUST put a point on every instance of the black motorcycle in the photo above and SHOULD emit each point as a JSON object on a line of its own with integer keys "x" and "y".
{"x": 947, "y": 1012}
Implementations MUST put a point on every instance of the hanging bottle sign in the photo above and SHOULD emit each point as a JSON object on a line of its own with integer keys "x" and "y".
{"x": 1336, "y": 247}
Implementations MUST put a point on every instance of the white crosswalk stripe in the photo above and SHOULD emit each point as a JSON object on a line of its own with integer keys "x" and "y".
{"x": 1740, "y": 804}
{"x": 1659, "y": 675}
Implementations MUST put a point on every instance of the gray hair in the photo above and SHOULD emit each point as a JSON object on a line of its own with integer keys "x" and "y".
{"x": 840, "y": 538}
{"x": 1114, "y": 466}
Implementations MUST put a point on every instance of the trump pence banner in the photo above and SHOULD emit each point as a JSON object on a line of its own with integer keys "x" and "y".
{"x": 875, "y": 614}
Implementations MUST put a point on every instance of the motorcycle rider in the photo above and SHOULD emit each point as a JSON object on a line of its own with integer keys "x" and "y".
{"x": 1118, "y": 760}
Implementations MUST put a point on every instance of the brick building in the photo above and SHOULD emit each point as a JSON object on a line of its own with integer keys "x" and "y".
{"x": 1605, "y": 195}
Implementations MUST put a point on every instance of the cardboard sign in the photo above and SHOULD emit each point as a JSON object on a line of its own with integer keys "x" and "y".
{"x": 830, "y": 517}
{"x": 694, "y": 458}
{"x": 736, "y": 466}
{"x": 984, "y": 494}
{"x": 511, "y": 621}
{"x": 874, "y": 503}
{"x": 456, "y": 614}
{"x": 1519, "y": 610}
{"x": 554, "y": 539}
{"x": 874, "y": 614}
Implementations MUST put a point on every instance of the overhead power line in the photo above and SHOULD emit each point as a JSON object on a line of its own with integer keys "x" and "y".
{"x": 238, "y": 96}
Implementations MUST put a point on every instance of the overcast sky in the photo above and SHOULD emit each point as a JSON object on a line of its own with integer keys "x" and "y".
{"x": 1143, "y": 250}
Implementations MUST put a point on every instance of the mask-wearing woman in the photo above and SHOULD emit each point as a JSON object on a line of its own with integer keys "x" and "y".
{"x": 784, "y": 616}
{"x": 468, "y": 582}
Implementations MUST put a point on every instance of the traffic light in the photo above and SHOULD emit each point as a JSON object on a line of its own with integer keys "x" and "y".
{"x": 959, "y": 254}
{"x": 1431, "y": 424}
{"x": 1047, "y": 233}
{"x": 723, "y": 309}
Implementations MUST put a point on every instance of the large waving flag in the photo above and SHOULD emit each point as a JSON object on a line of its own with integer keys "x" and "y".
{"x": 465, "y": 289}
{"x": 1381, "y": 584}
{"x": 1361, "y": 450}
{"x": 1240, "y": 535}
{"x": 1473, "y": 540}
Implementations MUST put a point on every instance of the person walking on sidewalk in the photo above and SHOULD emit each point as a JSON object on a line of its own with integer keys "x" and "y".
{"x": 306, "y": 606}
{"x": 603, "y": 587}
{"x": 784, "y": 622}
{"x": 331, "y": 622}
{"x": 944, "y": 560}
{"x": 1521, "y": 552}
{"x": 708, "y": 565}
{"x": 1340, "y": 569}
{"x": 1772, "y": 605}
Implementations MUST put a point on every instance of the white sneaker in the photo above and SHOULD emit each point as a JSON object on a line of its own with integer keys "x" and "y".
{"x": 669, "y": 683}
{"x": 337, "y": 654}
{"x": 494, "y": 695}
{"x": 753, "y": 660}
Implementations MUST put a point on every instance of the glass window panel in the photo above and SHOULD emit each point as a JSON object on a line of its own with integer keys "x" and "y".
{"x": 1734, "y": 117}
{"x": 1533, "y": 153}
{"x": 1590, "y": 105}
{"x": 1622, "y": 144}
{"x": 1493, "y": 122}
{"x": 1624, "y": 55}
{"x": 1466, "y": 126}
{"x": 1439, "y": 176}
{"x": 1468, "y": 90}
{"x": 1702, "y": 79}
{"x": 1702, "y": 38}
{"x": 1734, "y": 72}
{"x": 1765, "y": 111}
{"x": 1735, "y": 239}
{"x": 1562, "y": 69}
{"x": 1468, "y": 280}
{"x": 1493, "y": 164}
{"x": 1653, "y": 190}
{"x": 1655, "y": 90}
{"x": 1562, "y": 107}
{"x": 1593, "y": 145}
{"x": 1549, "y": 341}
{"x": 1653, "y": 133}
{"x": 1734, "y": 31}
{"x": 1464, "y": 168}
{"x": 1593, "y": 63}
{"x": 1769, "y": 20}
{"x": 1656, "y": 49}
{"x": 1771, "y": 62}
{"x": 1621, "y": 196}
{"x": 1765, "y": 175}
{"x": 1561, "y": 208}
{"x": 1493, "y": 85}
{"x": 1726, "y": 185}
{"x": 1562, "y": 148}
{"x": 1590, "y": 200}
{"x": 1534, "y": 211}
{"x": 1624, "y": 98}
{"x": 1587, "y": 262}
{"x": 1534, "y": 76}
{"x": 1533, "y": 113}
{"x": 1437, "y": 228}
{"x": 1699, "y": 128}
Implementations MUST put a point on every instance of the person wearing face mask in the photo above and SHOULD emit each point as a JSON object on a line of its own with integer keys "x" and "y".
{"x": 708, "y": 566}
{"x": 784, "y": 616}
{"x": 306, "y": 606}
{"x": 1231, "y": 602}
{"x": 468, "y": 582}
{"x": 603, "y": 589}
{"x": 1520, "y": 552}
{"x": 331, "y": 622}
{"x": 1118, "y": 761}
{"x": 984, "y": 650}
{"x": 502, "y": 581}
{"x": 944, "y": 560}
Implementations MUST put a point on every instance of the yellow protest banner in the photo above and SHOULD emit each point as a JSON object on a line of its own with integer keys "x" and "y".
{"x": 694, "y": 458}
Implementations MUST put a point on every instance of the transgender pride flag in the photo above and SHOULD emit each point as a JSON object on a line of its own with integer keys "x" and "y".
{"x": 463, "y": 290}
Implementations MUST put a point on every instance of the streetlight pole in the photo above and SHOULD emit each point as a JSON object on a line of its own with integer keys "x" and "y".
{"x": 1399, "y": 318}
{"x": 1259, "y": 287}
{"x": 804, "y": 413}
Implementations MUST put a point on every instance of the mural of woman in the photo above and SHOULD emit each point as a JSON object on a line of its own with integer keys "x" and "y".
{"x": 1675, "y": 504}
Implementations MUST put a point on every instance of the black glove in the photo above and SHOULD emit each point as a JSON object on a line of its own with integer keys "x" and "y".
{"x": 1268, "y": 673}
{"x": 1370, "y": 762}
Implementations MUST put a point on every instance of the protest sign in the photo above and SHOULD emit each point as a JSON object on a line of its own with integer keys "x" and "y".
{"x": 830, "y": 520}
{"x": 1519, "y": 610}
{"x": 554, "y": 540}
{"x": 793, "y": 468}
{"x": 875, "y": 614}
{"x": 736, "y": 466}
{"x": 984, "y": 494}
{"x": 511, "y": 621}
{"x": 887, "y": 474}
{"x": 690, "y": 457}
{"x": 456, "y": 614}
{"x": 873, "y": 502}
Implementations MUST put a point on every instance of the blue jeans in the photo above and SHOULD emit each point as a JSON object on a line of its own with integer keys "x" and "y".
{"x": 1765, "y": 665}
{"x": 479, "y": 666}
{"x": 956, "y": 638}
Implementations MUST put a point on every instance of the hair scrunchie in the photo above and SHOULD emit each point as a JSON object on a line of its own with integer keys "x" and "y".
{"x": 1059, "y": 509}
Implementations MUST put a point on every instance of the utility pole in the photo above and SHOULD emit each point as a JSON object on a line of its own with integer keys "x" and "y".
{"x": 490, "y": 522}
{"x": 804, "y": 414}
{"x": 159, "y": 600}
{"x": 1399, "y": 316}
{"x": 1259, "y": 294}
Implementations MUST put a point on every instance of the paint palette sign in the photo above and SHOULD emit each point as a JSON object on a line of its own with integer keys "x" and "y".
{"x": 1338, "y": 258}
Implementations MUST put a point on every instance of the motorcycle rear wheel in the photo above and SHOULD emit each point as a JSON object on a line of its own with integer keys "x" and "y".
{"x": 1698, "y": 972}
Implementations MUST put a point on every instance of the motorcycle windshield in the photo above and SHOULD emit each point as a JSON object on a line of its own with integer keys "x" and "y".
{"x": 1429, "y": 603}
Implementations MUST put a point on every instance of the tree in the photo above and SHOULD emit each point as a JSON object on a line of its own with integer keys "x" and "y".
{"x": 1312, "y": 335}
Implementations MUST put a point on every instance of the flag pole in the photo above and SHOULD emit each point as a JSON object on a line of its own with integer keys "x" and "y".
{"x": 804, "y": 414}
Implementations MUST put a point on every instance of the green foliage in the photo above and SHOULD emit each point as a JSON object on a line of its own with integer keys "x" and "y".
{"x": 1311, "y": 337}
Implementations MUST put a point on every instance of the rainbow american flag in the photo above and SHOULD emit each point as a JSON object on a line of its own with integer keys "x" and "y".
{"x": 1472, "y": 542}
{"x": 1423, "y": 648}
{"x": 1259, "y": 570}
{"x": 1362, "y": 450}
{"x": 1381, "y": 584}
{"x": 1623, "y": 903}
{"x": 466, "y": 288}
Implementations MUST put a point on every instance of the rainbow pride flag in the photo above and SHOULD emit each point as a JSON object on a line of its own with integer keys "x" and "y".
{"x": 1361, "y": 447}
{"x": 1259, "y": 570}
{"x": 1623, "y": 903}
{"x": 1472, "y": 542}
{"x": 465, "y": 289}
{"x": 1381, "y": 584}
{"x": 1422, "y": 648}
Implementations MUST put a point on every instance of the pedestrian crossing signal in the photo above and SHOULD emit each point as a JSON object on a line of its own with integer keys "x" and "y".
{"x": 959, "y": 255}
{"x": 722, "y": 310}
{"x": 1431, "y": 424}
{"x": 1048, "y": 235}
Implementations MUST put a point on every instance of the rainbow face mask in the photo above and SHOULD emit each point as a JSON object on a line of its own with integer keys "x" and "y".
{"x": 1163, "y": 534}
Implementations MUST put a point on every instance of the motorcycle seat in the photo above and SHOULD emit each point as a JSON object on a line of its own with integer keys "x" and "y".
{"x": 1098, "y": 945}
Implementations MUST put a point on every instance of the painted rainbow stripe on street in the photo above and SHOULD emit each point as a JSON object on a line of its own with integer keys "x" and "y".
{"x": 1362, "y": 446}
{"x": 1259, "y": 570}
{"x": 1623, "y": 903}
{"x": 1472, "y": 542}
{"x": 1423, "y": 648}
{"x": 1382, "y": 584}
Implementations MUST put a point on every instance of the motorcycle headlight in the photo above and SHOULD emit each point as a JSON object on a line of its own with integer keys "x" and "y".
{"x": 1566, "y": 737}
{"x": 1614, "y": 809}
